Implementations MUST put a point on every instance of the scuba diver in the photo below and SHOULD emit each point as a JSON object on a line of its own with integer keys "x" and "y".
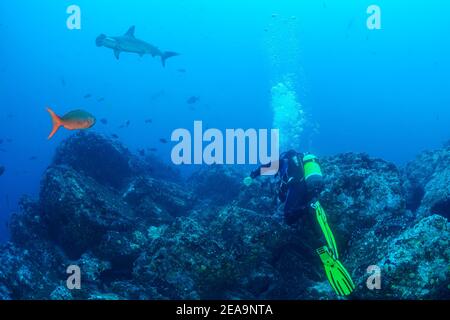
{"x": 300, "y": 185}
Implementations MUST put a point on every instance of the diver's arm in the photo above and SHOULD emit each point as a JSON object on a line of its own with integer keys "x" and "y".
{"x": 258, "y": 172}
{"x": 255, "y": 173}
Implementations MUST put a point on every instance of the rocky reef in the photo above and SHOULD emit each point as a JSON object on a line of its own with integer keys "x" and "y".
{"x": 138, "y": 230}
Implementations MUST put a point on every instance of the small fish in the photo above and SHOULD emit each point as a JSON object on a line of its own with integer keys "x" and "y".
{"x": 32, "y": 158}
{"x": 88, "y": 96}
{"x": 126, "y": 124}
{"x": 104, "y": 121}
{"x": 181, "y": 70}
{"x": 115, "y": 136}
{"x": 148, "y": 121}
{"x": 193, "y": 100}
{"x": 2, "y": 170}
{"x": 100, "y": 99}
{"x": 153, "y": 149}
{"x": 74, "y": 120}
{"x": 142, "y": 152}
{"x": 162, "y": 140}
{"x": 63, "y": 82}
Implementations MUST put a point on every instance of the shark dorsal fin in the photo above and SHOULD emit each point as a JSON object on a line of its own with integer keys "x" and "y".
{"x": 130, "y": 32}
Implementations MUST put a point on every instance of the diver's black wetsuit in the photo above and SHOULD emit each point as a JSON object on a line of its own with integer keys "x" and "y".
{"x": 301, "y": 183}
{"x": 293, "y": 190}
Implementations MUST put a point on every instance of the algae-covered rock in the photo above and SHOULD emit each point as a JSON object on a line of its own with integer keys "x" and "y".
{"x": 232, "y": 253}
{"x": 260, "y": 196}
{"x": 104, "y": 160}
{"x": 79, "y": 211}
{"x": 29, "y": 274}
{"x": 158, "y": 201}
{"x": 362, "y": 193}
{"x": 416, "y": 264}
{"x": 61, "y": 293}
{"x": 28, "y": 227}
{"x": 426, "y": 183}
{"x": 136, "y": 234}
{"x": 219, "y": 184}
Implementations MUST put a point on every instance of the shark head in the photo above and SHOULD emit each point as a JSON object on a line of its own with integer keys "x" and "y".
{"x": 100, "y": 40}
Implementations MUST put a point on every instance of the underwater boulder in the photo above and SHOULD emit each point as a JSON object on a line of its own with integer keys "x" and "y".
{"x": 217, "y": 184}
{"x": 151, "y": 165}
{"x": 361, "y": 193}
{"x": 121, "y": 250}
{"x": 30, "y": 264}
{"x": 103, "y": 159}
{"x": 61, "y": 293}
{"x": 29, "y": 274}
{"x": 167, "y": 265}
{"x": 27, "y": 227}
{"x": 158, "y": 201}
{"x": 79, "y": 211}
{"x": 133, "y": 291}
{"x": 416, "y": 264}
{"x": 92, "y": 269}
{"x": 436, "y": 199}
{"x": 421, "y": 169}
{"x": 4, "y": 293}
{"x": 233, "y": 253}
{"x": 260, "y": 196}
{"x": 427, "y": 183}
{"x": 365, "y": 206}
{"x": 148, "y": 237}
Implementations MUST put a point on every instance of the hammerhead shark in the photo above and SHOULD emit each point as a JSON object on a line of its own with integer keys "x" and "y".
{"x": 129, "y": 43}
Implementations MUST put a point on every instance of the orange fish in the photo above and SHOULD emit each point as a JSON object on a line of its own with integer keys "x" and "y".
{"x": 74, "y": 120}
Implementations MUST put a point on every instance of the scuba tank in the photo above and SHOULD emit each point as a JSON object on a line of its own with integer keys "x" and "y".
{"x": 313, "y": 174}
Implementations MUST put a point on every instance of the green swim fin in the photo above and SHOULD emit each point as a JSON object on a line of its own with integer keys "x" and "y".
{"x": 337, "y": 275}
{"x": 323, "y": 223}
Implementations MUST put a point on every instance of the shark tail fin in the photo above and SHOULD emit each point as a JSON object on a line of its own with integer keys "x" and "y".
{"x": 167, "y": 55}
{"x": 56, "y": 122}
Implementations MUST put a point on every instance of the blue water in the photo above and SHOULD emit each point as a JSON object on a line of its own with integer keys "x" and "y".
{"x": 384, "y": 92}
